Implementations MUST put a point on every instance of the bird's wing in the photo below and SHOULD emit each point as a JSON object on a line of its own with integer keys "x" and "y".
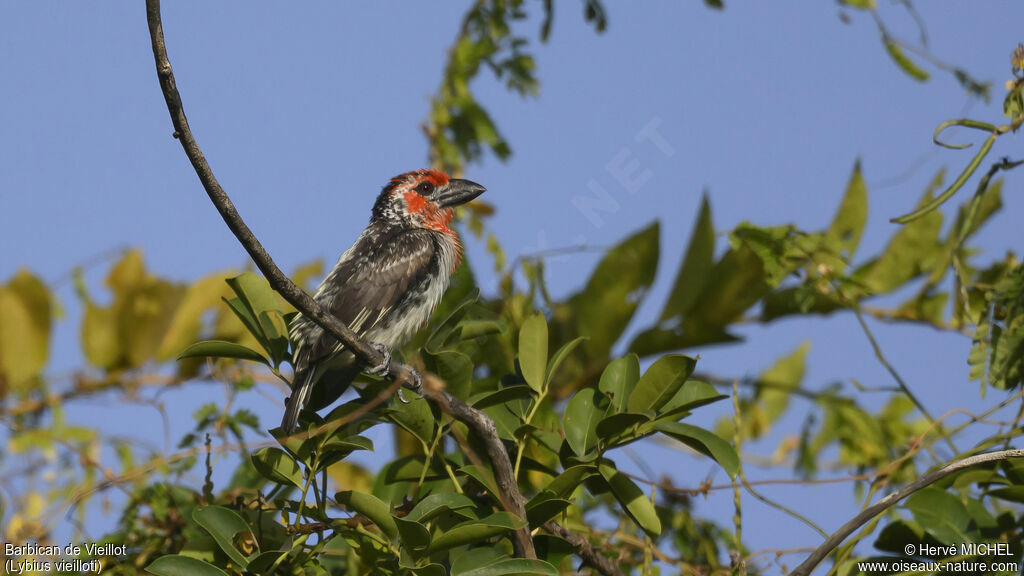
{"x": 373, "y": 280}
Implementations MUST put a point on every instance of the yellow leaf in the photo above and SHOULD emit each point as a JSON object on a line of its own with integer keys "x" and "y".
{"x": 25, "y": 318}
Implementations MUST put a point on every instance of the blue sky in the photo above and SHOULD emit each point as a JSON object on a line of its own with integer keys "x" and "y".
{"x": 304, "y": 112}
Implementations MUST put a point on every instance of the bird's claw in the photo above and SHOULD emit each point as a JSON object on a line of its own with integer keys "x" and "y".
{"x": 385, "y": 365}
{"x": 416, "y": 386}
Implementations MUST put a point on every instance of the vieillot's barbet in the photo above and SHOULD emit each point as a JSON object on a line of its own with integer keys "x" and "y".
{"x": 384, "y": 287}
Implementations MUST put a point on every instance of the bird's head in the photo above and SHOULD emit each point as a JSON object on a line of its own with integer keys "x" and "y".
{"x": 424, "y": 199}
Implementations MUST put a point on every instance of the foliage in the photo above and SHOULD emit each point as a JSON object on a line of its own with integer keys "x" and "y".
{"x": 569, "y": 384}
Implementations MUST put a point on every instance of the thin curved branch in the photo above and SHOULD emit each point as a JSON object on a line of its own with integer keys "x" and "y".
{"x": 278, "y": 280}
{"x": 295, "y": 296}
{"x": 819, "y": 554}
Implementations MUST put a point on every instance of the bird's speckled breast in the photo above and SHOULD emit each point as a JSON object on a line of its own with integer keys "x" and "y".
{"x": 415, "y": 309}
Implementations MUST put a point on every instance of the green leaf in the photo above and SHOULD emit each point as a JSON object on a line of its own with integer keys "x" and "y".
{"x": 370, "y": 506}
{"x": 261, "y": 563}
{"x": 464, "y": 560}
{"x": 633, "y": 500}
{"x": 843, "y": 235}
{"x": 416, "y": 418}
{"x": 437, "y": 503}
{"x": 434, "y": 569}
{"x": 660, "y": 382}
{"x": 415, "y": 536}
{"x": 540, "y": 510}
{"x": 1011, "y": 494}
{"x": 245, "y": 316}
{"x": 178, "y": 565}
{"x": 909, "y": 66}
{"x": 512, "y": 567}
{"x": 347, "y": 443}
{"x": 944, "y": 516}
{"x": 612, "y": 427}
{"x": 409, "y": 468}
{"x": 566, "y": 483}
{"x": 693, "y": 394}
{"x": 264, "y": 306}
{"x": 560, "y": 357}
{"x": 221, "y": 349}
{"x": 614, "y": 291}
{"x": 982, "y": 207}
{"x": 773, "y": 395}
{"x": 224, "y": 524}
{"x": 618, "y": 380}
{"x": 482, "y": 477}
{"x": 533, "y": 351}
{"x": 1013, "y": 104}
{"x": 909, "y": 253}
{"x": 501, "y": 396}
{"x": 580, "y": 419}
{"x": 337, "y": 447}
{"x": 487, "y": 561}
{"x": 777, "y": 247}
{"x": 277, "y": 465}
{"x": 705, "y": 442}
{"x": 476, "y": 531}
{"x": 454, "y": 368}
{"x": 696, "y": 266}
{"x": 736, "y": 283}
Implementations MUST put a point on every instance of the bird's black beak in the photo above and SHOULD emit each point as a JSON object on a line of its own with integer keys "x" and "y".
{"x": 458, "y": 192}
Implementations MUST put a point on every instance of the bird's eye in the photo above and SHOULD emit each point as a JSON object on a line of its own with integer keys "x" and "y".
{"x": 425, "y": 188}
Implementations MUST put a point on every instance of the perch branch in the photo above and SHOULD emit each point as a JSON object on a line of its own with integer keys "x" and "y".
{"x": 295, "y": 296}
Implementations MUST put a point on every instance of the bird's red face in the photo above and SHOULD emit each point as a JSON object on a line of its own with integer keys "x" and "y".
{"x": 425, "y": 198}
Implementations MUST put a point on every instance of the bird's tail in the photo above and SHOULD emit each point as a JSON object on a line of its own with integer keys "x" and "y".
{"x": 302, "y": 389}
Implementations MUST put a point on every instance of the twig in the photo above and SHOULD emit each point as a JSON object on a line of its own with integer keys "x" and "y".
{"x": 278, "y": 280}
{"x": 82, "y": 387}
{"x": 737, "y": 424}
{"x": 819, "y": 554}
{"x": 295, "y": 296}
{"x": 855, "y": 304}
{"x": 208, "y": 481}
{"x": 584, "y": 549}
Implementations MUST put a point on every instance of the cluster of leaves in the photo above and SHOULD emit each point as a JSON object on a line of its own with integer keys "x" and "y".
{"x": 459, "y": 128}
{"x": 436, "y": 510}
{"x": 561, "y": 403}
{"x": 898, "y": 49}
{"x": 953, "y": 514}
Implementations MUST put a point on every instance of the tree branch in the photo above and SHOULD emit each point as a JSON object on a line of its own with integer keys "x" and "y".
{"x": 877, "y": 508}
{"x": 475, "y": 419}
{"x": 585, "y": 550}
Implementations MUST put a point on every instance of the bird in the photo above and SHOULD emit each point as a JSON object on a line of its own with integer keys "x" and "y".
{"x": 384, "y": 287}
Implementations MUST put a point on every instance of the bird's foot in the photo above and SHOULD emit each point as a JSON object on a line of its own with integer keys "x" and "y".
{"x": 415, "y": 386}
{"x": 385, "y": 365}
